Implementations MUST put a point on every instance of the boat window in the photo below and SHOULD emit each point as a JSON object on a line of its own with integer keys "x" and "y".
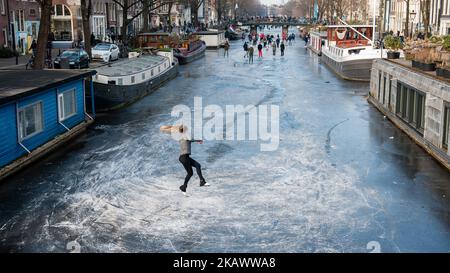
{"x": 119, "y": 81}
{"x": 132, "y": 79}
{"x": 30, "y": 120}
{"x": 67, "y": 106}
{"x": 152, "y": 73}
{"x": 159, "y": 69}
{"x": 143, "y": 76}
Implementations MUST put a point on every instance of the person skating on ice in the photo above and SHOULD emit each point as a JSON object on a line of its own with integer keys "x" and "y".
{"x": 185, "y": 155}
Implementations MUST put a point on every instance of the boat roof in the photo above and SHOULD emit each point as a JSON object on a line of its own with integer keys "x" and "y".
{"x": 336, "y": 26}
{"x": 16, "y": 84}
{"x": 130, "y": 66}
{"x": 154, "y": 34}
{"x": 209, "y": 32}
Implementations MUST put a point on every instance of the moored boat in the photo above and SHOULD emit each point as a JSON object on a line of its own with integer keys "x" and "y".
{"x": 190, "y": 50}
{"x": 185, "y": 49}
{"x": 124, "y": 82}
{"x": 350, "y": 50}
{"x": 212, "y": 38}
{"x": 317, "y": 40}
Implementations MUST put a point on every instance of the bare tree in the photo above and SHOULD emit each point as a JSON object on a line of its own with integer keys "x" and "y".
{"x": 425, "y": 6}
{"x": 86, "y": 12}
{"x": 44, "y": 30}
{"x": 139, "y": 6}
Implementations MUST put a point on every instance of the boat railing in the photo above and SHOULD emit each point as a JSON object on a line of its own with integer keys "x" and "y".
{"x": 351, "y": 43}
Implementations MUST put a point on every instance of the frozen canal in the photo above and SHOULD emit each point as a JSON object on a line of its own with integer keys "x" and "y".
{"x": 342, "y": 176}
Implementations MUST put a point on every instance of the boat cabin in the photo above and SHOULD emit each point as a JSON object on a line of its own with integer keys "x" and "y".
{"x": 153, "y": 40}
{"x": 344, "y": 37}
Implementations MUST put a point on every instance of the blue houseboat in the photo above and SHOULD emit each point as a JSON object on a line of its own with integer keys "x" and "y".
{"x": 40, "y": 110}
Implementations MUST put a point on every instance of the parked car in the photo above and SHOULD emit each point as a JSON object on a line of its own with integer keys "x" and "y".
{"x": 72, "y": 58}
{"x": 105, "y": 52}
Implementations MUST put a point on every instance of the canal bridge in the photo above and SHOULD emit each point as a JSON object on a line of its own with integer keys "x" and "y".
{"x": 278, "y": 24}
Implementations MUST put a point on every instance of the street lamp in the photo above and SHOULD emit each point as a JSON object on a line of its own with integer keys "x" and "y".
{"x": 412, "y": 15}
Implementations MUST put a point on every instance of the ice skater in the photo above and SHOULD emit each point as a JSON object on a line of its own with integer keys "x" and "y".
{"x": 185, "y": 155}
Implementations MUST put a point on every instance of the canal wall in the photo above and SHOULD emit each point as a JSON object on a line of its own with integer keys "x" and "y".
{"x": 416, "y": 102}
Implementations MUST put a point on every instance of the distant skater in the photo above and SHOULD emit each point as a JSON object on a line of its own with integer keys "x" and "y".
{"x": 250, "y": 54}
{"x": 246, "y": 50}
{"x": 226, "y": 47}
{"x": 260, "y": 48}
{"x": 282, "y": 48}
{"x": 274, "y": 48}
{"x": 185, "y": 156}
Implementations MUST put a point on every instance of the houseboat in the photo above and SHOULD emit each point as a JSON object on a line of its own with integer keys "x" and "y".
{"x": 190, "y": 50}
{"x": 212, "y": 38}
{"x": 317, "y": 40}
{"x": 350, "y": 50}
{"x": 185, "y": 49}
{"x": 39, "y": 111}
{"x": 124, "y": 82}
{"x": 154, "y": 40}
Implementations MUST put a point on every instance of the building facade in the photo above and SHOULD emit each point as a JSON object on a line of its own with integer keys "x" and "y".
{"x": 105, "y": 22}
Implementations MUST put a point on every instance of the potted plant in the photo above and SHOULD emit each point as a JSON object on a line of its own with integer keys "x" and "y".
{"x": 443, "y": 70}
{"x": 393, "y": 44}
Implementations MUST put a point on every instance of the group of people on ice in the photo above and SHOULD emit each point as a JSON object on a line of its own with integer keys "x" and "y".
{"x": 266, "y": 42}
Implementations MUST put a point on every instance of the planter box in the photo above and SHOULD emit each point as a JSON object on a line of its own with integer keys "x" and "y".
{"x": 416, "y": 64}
{"x": 446, "y": 73}
{"x": 393, "y": 55}
{"x": 428, "y": 67}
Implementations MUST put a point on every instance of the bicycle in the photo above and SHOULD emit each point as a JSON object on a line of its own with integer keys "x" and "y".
{"x": 30, "y": 61}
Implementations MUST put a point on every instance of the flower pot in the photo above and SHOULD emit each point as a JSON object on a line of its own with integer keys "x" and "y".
{"x": 393, "y": 55}
{"x": 428, "y": 67}
{"x": 416, "y": 64}
{"x": 446, "y": 73}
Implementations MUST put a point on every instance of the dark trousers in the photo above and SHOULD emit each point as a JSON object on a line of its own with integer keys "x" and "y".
{"x": 188, "y": 163}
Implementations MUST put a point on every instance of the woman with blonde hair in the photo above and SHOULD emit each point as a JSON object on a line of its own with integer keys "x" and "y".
{"x": 185, "y": 155}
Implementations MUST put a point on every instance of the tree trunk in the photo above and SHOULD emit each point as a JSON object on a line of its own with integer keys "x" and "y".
{"x": 125, "y": 23}
{"x": 169, "y": 13}
{"x": 86, "y": 15}
{"x": 406, "y": 34}
{"x": 44, "y": 29}
{"x": 194, "y": 14}
{"x": 425, "y": 8}
{"x": 145, "y": 15}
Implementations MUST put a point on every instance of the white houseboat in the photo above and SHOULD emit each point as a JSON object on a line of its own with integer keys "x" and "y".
{"x": 213, "y": 38}
{"x": 350, "y": 50}
{"x": 124, "y": 82}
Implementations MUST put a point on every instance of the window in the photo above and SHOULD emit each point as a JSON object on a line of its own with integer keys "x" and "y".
{"x": 2, "y": 7}
{"x": 379, "y": 84}
{"x": 411, "y": 106}
{"x": 32, "y": 12}
{"x": 30, "y": 120}
{"x": 59, "y": 10}
{"x": 152, "y": 72}
{"x": 120, "y": 81}
{"x": 143, "y": 76}
{"x": 384, "y": 89}
{"x": 132, "y": 79}
{"x": 67, "y": 104}
{"x": 446, "y": 126}
{"x": 5, "y": 37}
{"x": 389, "y": 91}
